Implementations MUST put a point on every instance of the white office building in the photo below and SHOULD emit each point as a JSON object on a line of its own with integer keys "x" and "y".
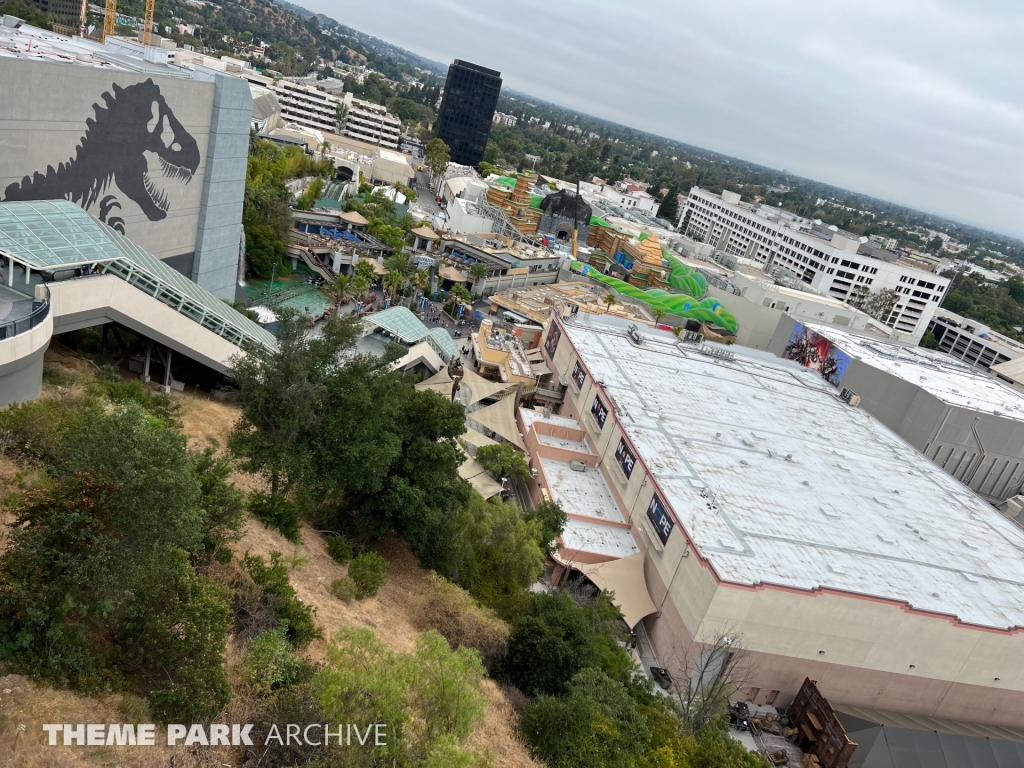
{"x": 838, "y": 264}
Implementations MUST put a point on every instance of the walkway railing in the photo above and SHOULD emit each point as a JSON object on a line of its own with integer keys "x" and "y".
{"x": 39, "y": 313}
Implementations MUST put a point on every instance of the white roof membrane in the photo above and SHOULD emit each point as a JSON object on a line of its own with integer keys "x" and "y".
{"x": 778, "y": 482}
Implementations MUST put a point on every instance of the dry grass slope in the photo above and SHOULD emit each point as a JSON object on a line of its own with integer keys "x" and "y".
{"x": 24, "y": 706}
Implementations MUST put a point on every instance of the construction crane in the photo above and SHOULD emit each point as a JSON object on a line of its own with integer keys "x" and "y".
{"x": 147, "y": 26}
{"x": 110, "y": 21}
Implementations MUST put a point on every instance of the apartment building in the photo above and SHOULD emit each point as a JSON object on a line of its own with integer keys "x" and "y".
{"x": 836, "y": 263}
{"x": 302, "y": 104}
{"x": 371, "y": 123}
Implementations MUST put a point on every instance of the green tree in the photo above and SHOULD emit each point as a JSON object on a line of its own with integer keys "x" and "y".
{"x": 502, "y": 460}
{"x": 365, "y": 270}
{"x": 551, "y": 518}
{"x": 429, "y": 699}
{"x": 368, "y": 571}
{"x": 98, "y": 588}
{"x": 495, "y": 553}
{"x": 550, "y": 644}
{"x": 478, "y": 272}
{"x": 340, "y": 289}
{"x": 438, "y": 156}
{"x": 928, "y": 341}
{"x": 596, "y": 723}
{"x": 27, "y": 13}
{"x": 669, "y": 208}
{"x": 279, "y": 394}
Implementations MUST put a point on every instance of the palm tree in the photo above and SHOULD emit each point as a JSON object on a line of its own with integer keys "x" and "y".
{"x": 407, "y": 222}
{"x": 659, "y": 314}
{"x": 609, "y": 301}
{"x": 419, "y": 279}
{"x": 340, "y": 289}
{"x": 359, "y": 286}
{"x": 366, "y": 270}
{"x": 478, "y": 272}
{"x": 393, "y": 282}
{"x": 401, "y": 263}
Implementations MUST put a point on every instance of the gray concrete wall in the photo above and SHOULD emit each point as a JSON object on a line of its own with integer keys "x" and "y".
{"x": 135, "y": 120}
{"x": 215, "y": 266}
{"x": 755, "y": 324}
{"x": 22, "y": 380}
{"x": 780, "y": 336}
{"x": 889, "y": 399}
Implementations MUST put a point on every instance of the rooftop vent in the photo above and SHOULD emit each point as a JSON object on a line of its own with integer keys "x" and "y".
{"x": 577, "y": 466}
{"x": 830, "y": 512}
{"x": 731, "y": 544}
{"x": 635, "y": 337}
{"x": 837, "y": 569}
{"x": 886, "y": 538}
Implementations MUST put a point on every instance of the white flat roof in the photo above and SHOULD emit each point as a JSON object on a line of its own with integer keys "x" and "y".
{"x": 778, "y": 482}
{"x": 585, "y": 536}
{"x": 581, "y": 493}
{"x": 530, "y": 415}
{"x": 949, "y": 380}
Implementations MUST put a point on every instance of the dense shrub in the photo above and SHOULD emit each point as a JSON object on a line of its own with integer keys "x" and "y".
{"x": 270, "y": 663}
{"x": 340, "y": 549}
{"x": 344, "y": 589}
{"x": 454, "y": 613}
{"x": 278, "y": 512}
{"x": 99, "y": 590}
{"x": 367, "y": 571}
{"x": 595, "y": 724}
{"x": 428, "y": 698}
{"x": 271, "y": 602}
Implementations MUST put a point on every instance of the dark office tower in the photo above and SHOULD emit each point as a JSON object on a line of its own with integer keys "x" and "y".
{"x": 467, "y": 110}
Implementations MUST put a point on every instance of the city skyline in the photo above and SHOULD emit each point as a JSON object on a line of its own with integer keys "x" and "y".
{"x": 891, "y": 102}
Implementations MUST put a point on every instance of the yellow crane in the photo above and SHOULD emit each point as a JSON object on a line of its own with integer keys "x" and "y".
{"x": 147, "y": 26}
{"x": 110, "y": 21}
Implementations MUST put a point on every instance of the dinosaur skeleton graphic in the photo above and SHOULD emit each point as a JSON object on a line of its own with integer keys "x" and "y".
{"x": 135, "y": 143}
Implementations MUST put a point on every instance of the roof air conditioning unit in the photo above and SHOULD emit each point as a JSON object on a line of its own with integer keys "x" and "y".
{"x": 849, "y": 397}
{"x": 577, "y": 466}
{"x": 634, "y": 335}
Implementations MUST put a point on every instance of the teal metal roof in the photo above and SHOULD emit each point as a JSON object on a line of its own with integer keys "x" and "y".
{"x": 407, "y": 328}
{"x": 49, "y": 235}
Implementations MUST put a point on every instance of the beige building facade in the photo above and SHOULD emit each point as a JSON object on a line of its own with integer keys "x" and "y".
{"x": 785, "y": 534}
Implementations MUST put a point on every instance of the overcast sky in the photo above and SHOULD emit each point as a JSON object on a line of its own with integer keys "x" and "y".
{"x": 920, "y": 102}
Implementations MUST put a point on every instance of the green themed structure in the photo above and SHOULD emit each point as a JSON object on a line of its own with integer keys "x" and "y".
{"x": 686, "y": 297}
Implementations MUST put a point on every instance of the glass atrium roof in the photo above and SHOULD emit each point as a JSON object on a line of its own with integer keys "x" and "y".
{"x": 49, "y": 235}
{"x": 406, "y": 327}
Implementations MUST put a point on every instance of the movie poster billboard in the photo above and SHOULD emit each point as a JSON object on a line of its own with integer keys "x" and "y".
{"x": 814, "y": 351}
{"x": 663, "y": 524}
{"x": 625, "y": 457}
{"x": 551, "y": 342}
{"x": 599, "y": 411}
{"x": 579, "y": 375}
